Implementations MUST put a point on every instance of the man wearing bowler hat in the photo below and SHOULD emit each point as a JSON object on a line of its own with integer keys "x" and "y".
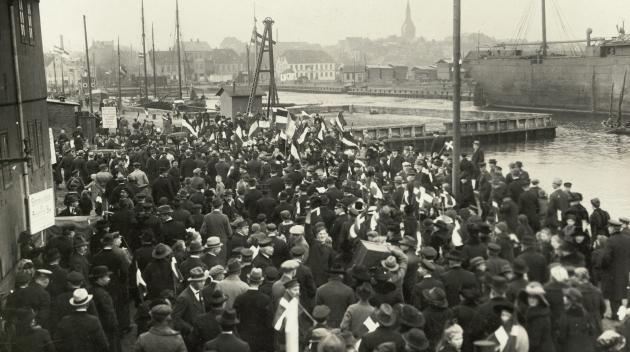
{"x": 255, "y": 314}
{"x": 263, "y": 259}
{"x": 80, "y": 331}
{"x": 205, "y": 326}
{"x": 335, "y": 295}
{"x": 194, "y": 259}
{"x": 227, "y": 341}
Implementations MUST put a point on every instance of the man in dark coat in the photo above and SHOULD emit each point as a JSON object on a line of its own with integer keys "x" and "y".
{"x": 266, "y": 205}
{"x": 171, "y": 229}
{"x": 274, "y": 184}
{"x": 162, "y": 187}
{"x": 194, "y": 260}
{"x": 118, "y": 285}
{"x": 252, "y": 195}
{"x": 558, "y": 205}
{"x": 528, "y": 205}
{"x": 254, "y": 166}
{"x": 216, "y": 224}
{"x": 189, "y": 304}
{"x": 255, "y": 314}
{"x": 35, "y": 297}
{"x": 304, "y": 275}
{"x": 320, "y": 257}
{"x": 336, "y": 295}
{"x": 227, "y": 341}
{"x": 99, "y": 276}
{"x": 151, "y": 167}
{"x": 386, "y": 318}
{"x": 616, "y": 263}
{"x": 456, "y": 277}
{"x": 188, "y": 164}
{"x": 81, "y": 331}
{"x": 535, "y": 261}
{"x": 263, "y": 258}
{"x": 598, "y": 219}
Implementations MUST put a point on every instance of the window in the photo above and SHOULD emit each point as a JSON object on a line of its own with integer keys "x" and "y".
{"x": 35, "y": 138}
{"x": 25, "y": 9}
{"x": 5, "y": 154}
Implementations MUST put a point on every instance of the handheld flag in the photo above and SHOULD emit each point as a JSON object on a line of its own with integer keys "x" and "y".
{"x": 186, "y": 124}
{"x": 340, "y": 121}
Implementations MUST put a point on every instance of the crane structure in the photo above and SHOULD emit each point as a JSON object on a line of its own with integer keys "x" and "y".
{"x": 264, "y": 44}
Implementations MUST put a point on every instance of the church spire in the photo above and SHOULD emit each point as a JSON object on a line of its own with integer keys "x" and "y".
{"x": 408, "y": 30}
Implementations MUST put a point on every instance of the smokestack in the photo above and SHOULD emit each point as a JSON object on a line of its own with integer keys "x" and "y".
{"x": 589, "y": 31}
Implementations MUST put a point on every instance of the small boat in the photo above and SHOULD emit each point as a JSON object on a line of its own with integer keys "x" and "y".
{"x": 625, "y": 131}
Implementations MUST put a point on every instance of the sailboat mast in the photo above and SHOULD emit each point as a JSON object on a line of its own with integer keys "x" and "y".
{"x": 144, "y": 57}
{"x": 623, "y": 88}
{"x": 544, "y": 29}
{"x": 612, "y": 90}
{"x": 179, "y": 57}
{"x": 119, "y": 90}
{"x": 153, "y": 61}
{"x": 87, "y": 59}
{"x": 63, "y": 86}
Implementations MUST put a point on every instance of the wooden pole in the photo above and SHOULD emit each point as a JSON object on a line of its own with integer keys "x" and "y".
{"x": 119, "y": 90}
{"x": 155, "y": 92}
{"x": 87, "y": 59}
{"x": 144, "y": 57}
{"x": 623, "y": 88}
{"x": 179, "y": 55}
{"x": 544, "y": 29}
{"x": 456, "y": 95}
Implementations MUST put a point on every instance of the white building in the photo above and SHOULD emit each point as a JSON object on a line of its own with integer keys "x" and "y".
{"x": 312, "y": 65}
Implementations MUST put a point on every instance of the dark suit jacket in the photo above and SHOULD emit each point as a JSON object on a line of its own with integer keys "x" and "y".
{"x": 186, "y": 310}
{"x": 227, "y": 343}
{"x": 337, "y": 296}
{"x": 172, "y": 231}
{"x": 382, "y": 334}
{"x": 275, "y": 185}
{"x": 260, "y": 261}
{"x": 105, "y": 308}
{"x": 255, "y": 315}
{"x": 251, "y": 200}
{"x": 81, "y": 332}
{"x": 537, "y": 264}
{"x": 454, "y": 280}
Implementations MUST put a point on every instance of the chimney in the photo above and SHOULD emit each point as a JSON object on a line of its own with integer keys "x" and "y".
{"x": 588, "y": 36}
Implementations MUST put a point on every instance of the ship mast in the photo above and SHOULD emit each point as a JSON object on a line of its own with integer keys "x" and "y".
{"x": 179, "y": 57}
{"x": 544, "y": 29}
{"x": 144, "y": 58}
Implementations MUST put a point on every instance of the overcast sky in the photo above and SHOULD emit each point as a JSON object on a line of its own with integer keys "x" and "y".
{"x": 319, "y": 21}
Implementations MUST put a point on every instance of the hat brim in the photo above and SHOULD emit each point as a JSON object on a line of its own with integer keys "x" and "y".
{"x": 421, "y": 347}
{"x": 442, "y": 303}
{"x": 75, "y": 304}
{"x": 155, "y": 255}
{"x": 395, "y": 268}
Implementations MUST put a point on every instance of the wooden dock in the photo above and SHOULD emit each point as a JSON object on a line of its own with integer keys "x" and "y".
{"x": 504, "y": 130}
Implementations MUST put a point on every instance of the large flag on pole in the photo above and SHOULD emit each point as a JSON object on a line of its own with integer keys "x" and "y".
{"x": 186, "y": 124}
{"x": 281, "y": 116}
{"x": 287, "y": 319}
{"x": 348, "y": 140}
{"x": 291, "y": 127}
{"x": 340, "y": 121}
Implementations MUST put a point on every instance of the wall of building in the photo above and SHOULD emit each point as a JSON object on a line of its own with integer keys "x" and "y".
{"x": 61, "y": 116}
{"x": 33, "y": 80}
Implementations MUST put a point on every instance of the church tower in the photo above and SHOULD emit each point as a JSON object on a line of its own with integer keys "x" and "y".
{"x": 408, "y": 30}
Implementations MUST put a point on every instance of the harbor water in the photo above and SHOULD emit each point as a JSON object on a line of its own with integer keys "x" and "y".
{"x": 598, "y": 164}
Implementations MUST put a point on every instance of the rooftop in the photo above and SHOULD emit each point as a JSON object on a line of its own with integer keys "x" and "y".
{"x": 238, "y": 91}
{"x": 307, "y": 57}
{"x": 195, "y": 46}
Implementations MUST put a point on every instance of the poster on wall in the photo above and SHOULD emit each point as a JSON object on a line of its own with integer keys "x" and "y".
{"x": 109, "y": 117}
{"x": 41, "y": 207}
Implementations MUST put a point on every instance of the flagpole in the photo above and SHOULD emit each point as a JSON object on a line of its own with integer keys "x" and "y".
{"x": 119, "y": 90}
{"x": 55, "y": 73}
{"x": 456, "y": 95}
{"x": 63, "y": 90}
{"x": 87, "y": 59}
{"x": 179, "y": 55}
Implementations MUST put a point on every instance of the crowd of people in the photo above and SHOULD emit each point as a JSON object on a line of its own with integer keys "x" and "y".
{"x": 206, "y": 242}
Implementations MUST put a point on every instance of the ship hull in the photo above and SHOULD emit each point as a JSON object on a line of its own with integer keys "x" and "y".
{"x": 580, "y": 84}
